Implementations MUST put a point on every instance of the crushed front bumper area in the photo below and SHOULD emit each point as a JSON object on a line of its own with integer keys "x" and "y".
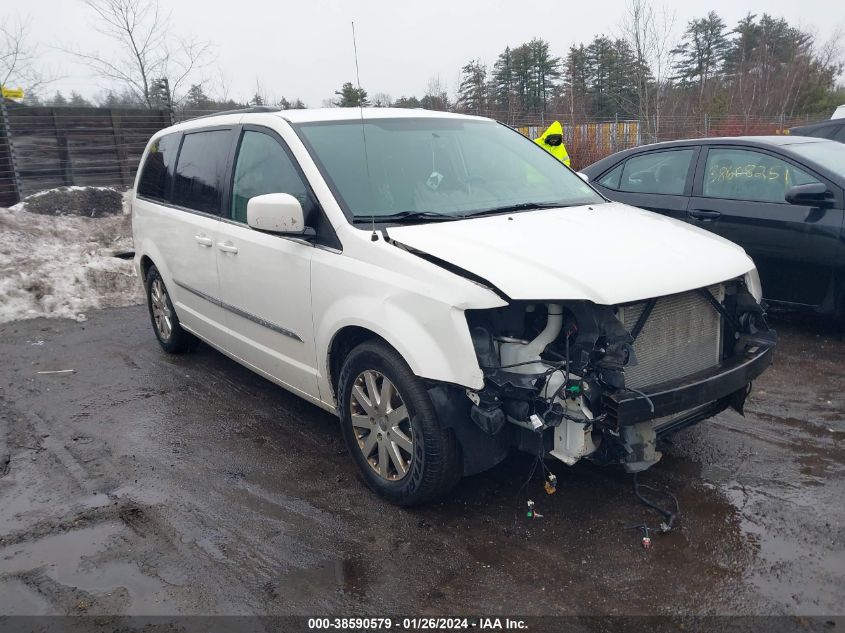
{"x": 624, "y": 407}
{"x": 576, "y": 380}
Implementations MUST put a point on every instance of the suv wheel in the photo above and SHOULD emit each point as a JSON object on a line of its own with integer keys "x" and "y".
{"x": 391, "y": 430}
{"x": 172, "y": 338}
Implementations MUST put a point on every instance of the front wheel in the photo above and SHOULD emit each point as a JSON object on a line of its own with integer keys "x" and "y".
{"x": 391, "y": 430}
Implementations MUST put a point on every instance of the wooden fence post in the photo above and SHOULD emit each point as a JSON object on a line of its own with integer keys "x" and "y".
{"x": 6, "y": 135}
{"x": 64, "y": 153}
{"x": 120, "y": 148}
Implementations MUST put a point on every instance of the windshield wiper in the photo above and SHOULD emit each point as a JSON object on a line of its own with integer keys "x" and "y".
{"x": 406, "y": 216}
{"x": 522, "y": 206}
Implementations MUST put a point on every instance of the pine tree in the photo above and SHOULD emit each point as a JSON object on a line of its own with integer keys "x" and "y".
{"x": 599, "y": 60}
{"x": 576, "y": 77}
{"x": 545, "y": 73}
{"x": 501, "y": 89}
{"x": 472, "y": 93}
{"x": 407, "y": 102}
{"x": 351, "y": 97}
{"x": 78, "y": 101}
{"x": 196, "y": 99}
{"x": 701, "y": 52}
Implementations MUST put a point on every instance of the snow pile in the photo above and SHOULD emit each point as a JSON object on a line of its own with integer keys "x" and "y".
{"x": 63, "y": 265}
{"x": 91, "y": 202}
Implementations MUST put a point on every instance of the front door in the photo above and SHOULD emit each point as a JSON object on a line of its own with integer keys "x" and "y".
{"x": 265, "y": 280}
{"x": 739, "y": 194}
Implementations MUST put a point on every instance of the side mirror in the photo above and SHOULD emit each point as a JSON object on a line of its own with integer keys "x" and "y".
{"x": 814, "y": 194}
{"x": 276, "y": 213}
{"x": 584, "y": 176}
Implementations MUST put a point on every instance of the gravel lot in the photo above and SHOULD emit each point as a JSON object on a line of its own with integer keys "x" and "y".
{"x": 148, "y": 484}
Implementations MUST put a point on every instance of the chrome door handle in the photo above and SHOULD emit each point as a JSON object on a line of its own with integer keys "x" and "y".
{"x": 227, "y": 247}
{"x": 202, "y": 240}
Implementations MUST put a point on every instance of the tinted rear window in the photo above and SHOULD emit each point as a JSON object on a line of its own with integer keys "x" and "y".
{"x": 201, "y": 170}
{"x": 157, "y": 172}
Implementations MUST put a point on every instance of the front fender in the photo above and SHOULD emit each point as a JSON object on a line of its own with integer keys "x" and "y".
{"x": 418, "y": 310}
{"x": 432, "y": 337}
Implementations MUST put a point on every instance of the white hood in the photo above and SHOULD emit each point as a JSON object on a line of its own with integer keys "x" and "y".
{"x": 606, "y": 253}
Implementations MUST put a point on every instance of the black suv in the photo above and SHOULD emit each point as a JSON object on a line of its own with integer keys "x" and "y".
{"x": 834, "y": 129}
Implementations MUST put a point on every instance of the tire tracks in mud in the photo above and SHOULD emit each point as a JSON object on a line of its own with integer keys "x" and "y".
{"x": 55, "y": 527}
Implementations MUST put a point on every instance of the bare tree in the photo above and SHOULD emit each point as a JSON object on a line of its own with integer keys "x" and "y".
{"x": 648, "y": 33}
{"x": 147, "y": 51}
{"x": 436, "y": 95}
{"x": 18, "y": 58}
{"x": 382, "y": 100}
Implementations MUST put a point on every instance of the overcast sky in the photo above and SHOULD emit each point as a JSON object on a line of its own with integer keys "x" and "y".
{"x": 304, "y": 48}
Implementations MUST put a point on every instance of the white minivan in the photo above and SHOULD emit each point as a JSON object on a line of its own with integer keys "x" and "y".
{"x": 445, "y": 286}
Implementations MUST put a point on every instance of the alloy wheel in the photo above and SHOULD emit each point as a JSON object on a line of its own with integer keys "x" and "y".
{"x": 381, "y": 425}
{"x": 161, "y": 311}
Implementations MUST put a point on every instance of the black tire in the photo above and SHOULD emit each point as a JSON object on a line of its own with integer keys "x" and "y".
{"x": 435, "y": 466}
{"x": 178, "y": 341}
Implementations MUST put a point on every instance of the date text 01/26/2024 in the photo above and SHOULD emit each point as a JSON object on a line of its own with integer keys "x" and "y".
{"x": 417, "y": 624}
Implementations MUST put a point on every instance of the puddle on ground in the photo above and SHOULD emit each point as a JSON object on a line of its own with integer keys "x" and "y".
{"x": 320, "y": 583}
{"x": 715, "y": 474}
{"x": 60, "y": 553}
{"x": 18, "y": 599}
{"x": 785, "y": 558}
{"x": 64, "y": 558}
{"x": 26, "y": 495}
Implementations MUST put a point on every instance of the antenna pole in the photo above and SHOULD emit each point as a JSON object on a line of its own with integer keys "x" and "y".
{"x": 374, "y": 236}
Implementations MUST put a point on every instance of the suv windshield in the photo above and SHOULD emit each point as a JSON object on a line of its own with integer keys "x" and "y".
{"x": 830, "y": 155}
{"x": 420, "y": 168}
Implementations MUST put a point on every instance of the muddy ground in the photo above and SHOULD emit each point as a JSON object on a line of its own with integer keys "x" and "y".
{"x": 150, "y": 484}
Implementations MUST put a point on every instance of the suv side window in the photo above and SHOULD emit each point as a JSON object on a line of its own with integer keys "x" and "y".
{"x": 657, "y": 172}
{"x": 157, "y": 172}
{"x": 840, "y": 134}
{"x": 263, "y": 166}
{"x": 201, "y": 170}
{"x": 739, "y": 174}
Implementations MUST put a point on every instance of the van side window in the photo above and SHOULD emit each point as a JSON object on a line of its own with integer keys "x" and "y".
{"x": 201, "y": 170}
{"x": 157, "y": 172}
{"x": 262, "y": 167}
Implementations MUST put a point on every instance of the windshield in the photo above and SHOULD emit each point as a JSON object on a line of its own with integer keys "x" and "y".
{"x": 438, "y": 167}
{"x": 830, "y": 155}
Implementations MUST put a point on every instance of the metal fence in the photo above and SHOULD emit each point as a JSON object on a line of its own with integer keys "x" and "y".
{"x": 46, "y": 147}
{"x": 588, "y": 140}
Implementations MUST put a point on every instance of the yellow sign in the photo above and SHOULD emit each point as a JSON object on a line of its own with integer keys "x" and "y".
{"x": 12, "y": 93}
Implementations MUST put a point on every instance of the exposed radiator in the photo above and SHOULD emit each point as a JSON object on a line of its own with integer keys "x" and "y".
{"x": 682, "y": 335}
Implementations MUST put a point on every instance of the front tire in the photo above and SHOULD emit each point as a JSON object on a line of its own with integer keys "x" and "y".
{"x": 391, "y": 430}
{"x": 170, "y": 334}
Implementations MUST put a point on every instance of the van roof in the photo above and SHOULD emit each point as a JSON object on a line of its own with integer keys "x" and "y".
{"x": 309, "y": 115}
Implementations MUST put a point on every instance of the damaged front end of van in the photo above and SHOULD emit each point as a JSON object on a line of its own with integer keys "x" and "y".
{"x": 575, "y": 379}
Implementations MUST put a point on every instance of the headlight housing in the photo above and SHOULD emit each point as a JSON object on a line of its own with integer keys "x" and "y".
{"x": 752, "y": 282}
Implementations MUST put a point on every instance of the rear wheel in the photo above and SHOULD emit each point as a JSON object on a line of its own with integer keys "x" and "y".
{"x": 391, "y": 430}
{"x": 172, "y": 338}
